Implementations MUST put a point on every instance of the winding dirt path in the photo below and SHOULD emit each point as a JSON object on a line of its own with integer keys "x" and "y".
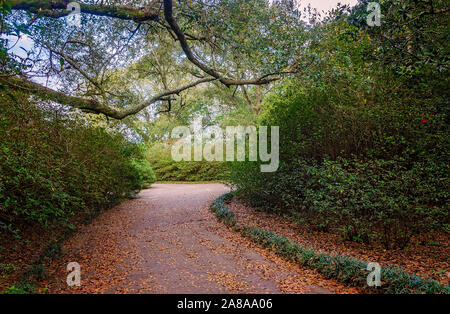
{"x": 167, "y": 241}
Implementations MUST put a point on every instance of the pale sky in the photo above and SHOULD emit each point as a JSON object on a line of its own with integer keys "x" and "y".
{"x": 323, "y": 5}
{"x": 326, "y": 5}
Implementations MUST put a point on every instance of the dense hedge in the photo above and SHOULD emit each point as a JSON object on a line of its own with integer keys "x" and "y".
{"x": 345, "y": 269}
{"x": 372, "y": 201}
{"x": 166, "y": 169}
{"x": 53, "y": 168}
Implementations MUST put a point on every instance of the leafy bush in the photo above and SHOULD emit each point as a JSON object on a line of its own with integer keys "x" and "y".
{"x": 145, "y": 172}
{"x": 166, "y": 169}
{"x": 370, "y": 201}
{"x": 363, "y": 146}
{"x": 53, "y": 167}
{"x": 375, "y": 200}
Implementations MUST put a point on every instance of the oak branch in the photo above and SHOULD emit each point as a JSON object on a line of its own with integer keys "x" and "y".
{"x": 57, "y": 8}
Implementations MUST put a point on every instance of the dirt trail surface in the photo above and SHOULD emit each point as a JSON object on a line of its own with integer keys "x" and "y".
{"x": 167, "y": 241}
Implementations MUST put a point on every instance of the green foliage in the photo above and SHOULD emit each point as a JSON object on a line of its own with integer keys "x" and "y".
{"x": 166, "y": 169}
{"x": 363, "y": 144}
{"x": 53, "y": 168}
{"x": 344, "y": 269}
{"x": 412, "y": 38}
{"x": 371, "y": 201}
{"x": 6, "y": 270}
{"x": 21, "y": 289}
{"x": 267, "y": 47}
{"x": 375, "y": 200}
{"x": 145, "y": 171}
{"x": 222, "y": 212}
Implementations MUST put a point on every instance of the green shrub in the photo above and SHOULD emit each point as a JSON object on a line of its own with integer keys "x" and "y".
{"x": 363, "y": 147}
{"x": 53, "y": 167}
{"x": 144, "y": 171}
{"x": 166, "y": 169}
{"x": 21, "y": 289}
{"x": 369, "y": 201}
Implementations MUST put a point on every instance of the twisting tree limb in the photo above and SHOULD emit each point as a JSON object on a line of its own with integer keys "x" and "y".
{"x": 168, "y": 14}
{"x": 94, "y": 105}
{"x": 162, "y": 96}
{"x": 39, "y": 90}
{"x": 57, "y": 8}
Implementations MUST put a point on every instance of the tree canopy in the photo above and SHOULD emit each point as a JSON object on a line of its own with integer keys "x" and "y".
{"x": 169, "y": 47}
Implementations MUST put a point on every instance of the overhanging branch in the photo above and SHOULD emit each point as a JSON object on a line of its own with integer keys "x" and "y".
{"x": 162, "y": 96}
{"x": 93, "y": 105}
{"x": 168, "y": 14}
{"x": 57, "y": 8}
